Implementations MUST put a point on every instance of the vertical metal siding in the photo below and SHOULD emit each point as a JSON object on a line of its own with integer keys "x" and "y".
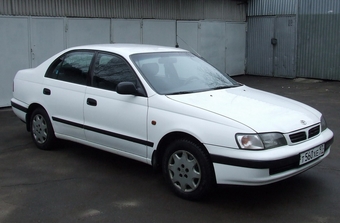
{"x": 213, "y": 9}
{"x": 40, "y": 7}
{"x": 318, "y": 39}
{"x": 191, "y": 9}
{"x": 319, "y": 6}
{"x": 263, "y": 58}
{"x": 272, "y": 7}
{"x": 284, "y": 50}
{"x": 234, "y": 11}
{"x": 225, "y": 10}
{"x": 128, "y": 9}
{"x": 4, "y": 7}
{"x": 166, "y": 9}
{"x": 259, "y": 48}
{"x": 317, "y": 43}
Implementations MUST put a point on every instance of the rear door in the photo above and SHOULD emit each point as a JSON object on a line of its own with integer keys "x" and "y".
{"x": 114, "y": 121}
{"x": 64, "y": 91}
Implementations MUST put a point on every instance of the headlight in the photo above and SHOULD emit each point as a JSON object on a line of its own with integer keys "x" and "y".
{"x": 323, "y": 124}
{"x": 249, "y": 141}
{"x": 272, "y": 140}
{"x": 260, "y": 141}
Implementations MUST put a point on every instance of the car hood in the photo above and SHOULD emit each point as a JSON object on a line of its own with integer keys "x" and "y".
{"x": 259, "y": 110}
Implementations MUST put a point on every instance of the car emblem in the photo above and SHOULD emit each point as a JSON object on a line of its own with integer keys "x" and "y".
{"x": 303, "y": 122}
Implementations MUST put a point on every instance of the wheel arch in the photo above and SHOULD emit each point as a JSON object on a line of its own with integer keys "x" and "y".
{"x": 169, "y": 138}
{"x": 30, "y": 110}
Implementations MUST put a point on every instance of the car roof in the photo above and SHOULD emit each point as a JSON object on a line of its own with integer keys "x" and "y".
{"x": 128, "y": 49}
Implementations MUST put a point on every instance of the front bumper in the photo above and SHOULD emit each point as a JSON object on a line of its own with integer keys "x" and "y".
{"x": 240, "y": 167}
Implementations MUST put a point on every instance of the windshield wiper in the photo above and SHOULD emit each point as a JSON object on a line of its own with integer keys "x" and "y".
{"x": 182, "y": 92}
{"x": 224, "y": 87}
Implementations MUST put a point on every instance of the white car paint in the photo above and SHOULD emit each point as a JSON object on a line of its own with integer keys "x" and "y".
{"x": 122, "y": 114}
{"x": 212, "y": 117}
{"x": 252, "y": 107}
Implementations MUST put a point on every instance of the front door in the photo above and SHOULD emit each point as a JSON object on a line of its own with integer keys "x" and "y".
{"x": 114, "y": 121}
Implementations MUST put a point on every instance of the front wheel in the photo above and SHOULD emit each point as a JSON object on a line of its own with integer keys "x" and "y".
{"x": 188, "y": 169}
{"x": 41, "y": 129}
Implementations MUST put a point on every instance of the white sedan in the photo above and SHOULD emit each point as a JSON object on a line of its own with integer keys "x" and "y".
{"x": 168, "y": 108}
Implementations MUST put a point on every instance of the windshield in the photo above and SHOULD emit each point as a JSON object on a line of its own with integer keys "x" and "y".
{"x": 180, "y": 73}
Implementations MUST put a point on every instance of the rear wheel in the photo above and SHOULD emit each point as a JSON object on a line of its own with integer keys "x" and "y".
{"x": 188, "y": 169}
{"x": 41, "y": 129}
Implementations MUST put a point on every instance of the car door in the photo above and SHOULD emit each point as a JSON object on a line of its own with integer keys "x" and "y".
{"x": 64, "y": 91}
{"x": 114, "y": 121}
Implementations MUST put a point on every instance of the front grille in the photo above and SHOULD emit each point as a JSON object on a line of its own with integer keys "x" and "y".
{"x": 313, "y": 131}
{"x": 298, "y": 137}
{"x": 304, "y": 134}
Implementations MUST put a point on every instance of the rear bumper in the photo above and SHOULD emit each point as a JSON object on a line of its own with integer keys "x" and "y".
{"x": 19, "y": 108}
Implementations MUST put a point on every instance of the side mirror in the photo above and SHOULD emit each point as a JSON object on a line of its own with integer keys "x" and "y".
{"x": 128, "y": 88}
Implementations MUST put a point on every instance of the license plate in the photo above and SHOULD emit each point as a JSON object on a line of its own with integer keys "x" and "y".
{"x": 312, "y": 154}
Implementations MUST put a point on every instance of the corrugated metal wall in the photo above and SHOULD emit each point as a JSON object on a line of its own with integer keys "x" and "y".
{"x": 311, "y": 7}
{"x": 318, "y": 54}
{"x": 225, "y": 10}
{"x": 285, "y": 49}
{"x": 259, "y": 48}
{"x": 317, "y": 34}
{"x": 271, "y": 7}
{"x": 265, "y": 57}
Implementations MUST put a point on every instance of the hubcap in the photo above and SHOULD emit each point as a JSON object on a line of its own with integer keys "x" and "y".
{"x": 39, "y": 128}
{"x": 184, "y": 171}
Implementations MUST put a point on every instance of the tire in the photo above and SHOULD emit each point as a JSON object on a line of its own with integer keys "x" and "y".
{"x": 188, "y": 170}
{"x": 41, "y": 130}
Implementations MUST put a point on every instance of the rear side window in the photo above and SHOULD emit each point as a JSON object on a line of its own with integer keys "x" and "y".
{"x": 72, "y": 67}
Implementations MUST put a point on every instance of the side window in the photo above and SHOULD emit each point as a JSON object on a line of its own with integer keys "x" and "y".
{"x": 110, "y": 70}
{"x": 72, "y": 67}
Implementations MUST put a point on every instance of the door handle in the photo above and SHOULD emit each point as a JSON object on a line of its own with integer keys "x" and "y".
{"x": 46, "y": 91}
{"x": 91, "y": 102}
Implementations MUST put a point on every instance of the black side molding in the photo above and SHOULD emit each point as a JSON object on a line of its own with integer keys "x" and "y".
{"x": 19, "y": 107}
{"x": 104, "y": 132}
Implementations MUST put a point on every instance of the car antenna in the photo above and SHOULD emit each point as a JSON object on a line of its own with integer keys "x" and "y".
{"x": 191, "y": 49}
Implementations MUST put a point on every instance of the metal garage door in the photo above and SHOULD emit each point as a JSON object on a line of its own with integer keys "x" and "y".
{"x": 222, "y": 44}
{"x": 159, "y": 32}
{"x": 187, "y": 35}
{"x": 212, "y": 43}
{"x": 47, "y": 38}
{"x": 235, "y": 53}
{"x": 126, "y": 31}
{"x": 284, "y": 51}
{"x": 271, "y": 45}
{"x": 14, "y": 45}
{"x": 27, "y": 41}
{"x": 87, "y": 31}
